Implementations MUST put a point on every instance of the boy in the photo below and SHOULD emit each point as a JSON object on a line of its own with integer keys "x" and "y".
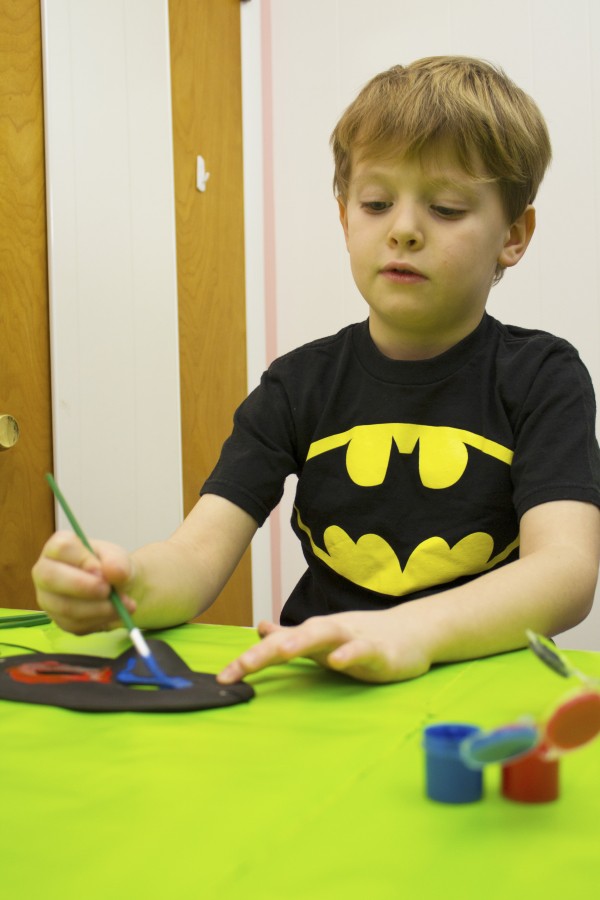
{"x": 449, "y": 477}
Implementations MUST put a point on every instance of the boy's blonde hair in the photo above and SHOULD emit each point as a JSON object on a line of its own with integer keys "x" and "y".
{"x": 466, "y": 105}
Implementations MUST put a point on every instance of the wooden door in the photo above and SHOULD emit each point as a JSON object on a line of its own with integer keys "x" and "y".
{"x": 206, "y": 79}
{"x": 207, "y": 121}
{"x": 26, "y": 506}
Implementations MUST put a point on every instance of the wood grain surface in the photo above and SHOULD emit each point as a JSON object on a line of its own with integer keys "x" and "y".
{"x": 26, "y": 505}
{"x": 207, "y": 121}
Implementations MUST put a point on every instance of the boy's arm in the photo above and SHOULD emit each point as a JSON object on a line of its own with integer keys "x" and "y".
{"x": 162, "y": 584}
{"x": 549, "y": 589}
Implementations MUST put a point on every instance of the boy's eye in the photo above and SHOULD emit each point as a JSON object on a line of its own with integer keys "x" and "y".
{"x": 447, "y": 212}
{"x": 375, "y": 206}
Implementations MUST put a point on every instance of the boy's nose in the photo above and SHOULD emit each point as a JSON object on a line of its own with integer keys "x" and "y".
{"x": 405, "y": 229}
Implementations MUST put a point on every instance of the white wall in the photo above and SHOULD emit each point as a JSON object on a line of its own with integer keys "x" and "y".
{"x": 322, "y": 52}
{"x": 258, "y": 220}
{"x": 112, "y": 268}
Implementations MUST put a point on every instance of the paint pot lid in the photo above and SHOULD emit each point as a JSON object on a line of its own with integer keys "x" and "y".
{"x": 500, "y": 745}
{"x": 575, "y": 722}
{"x": 445, "y": 739}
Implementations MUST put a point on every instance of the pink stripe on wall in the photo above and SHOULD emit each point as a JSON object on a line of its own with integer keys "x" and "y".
{"x": 269, "y": 267}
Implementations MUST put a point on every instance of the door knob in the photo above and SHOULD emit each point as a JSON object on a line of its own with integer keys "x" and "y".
{"x": 9, "y": 431}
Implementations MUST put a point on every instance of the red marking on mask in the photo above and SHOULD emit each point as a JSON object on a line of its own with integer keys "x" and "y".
{"x": 53, "y": 671}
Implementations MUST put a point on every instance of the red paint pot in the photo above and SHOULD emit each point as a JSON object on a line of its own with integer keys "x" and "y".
{"x": 532, "y": 779}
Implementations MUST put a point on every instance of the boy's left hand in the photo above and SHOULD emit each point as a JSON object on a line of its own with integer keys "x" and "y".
{"x": 364, "y": 645}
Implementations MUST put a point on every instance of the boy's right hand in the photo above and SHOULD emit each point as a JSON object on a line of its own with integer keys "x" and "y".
{"x": 73, "y": 585}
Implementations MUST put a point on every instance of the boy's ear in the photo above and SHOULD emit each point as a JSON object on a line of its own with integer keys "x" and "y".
{"x": 517, "y": 240}
{"x": 343, "y": 217}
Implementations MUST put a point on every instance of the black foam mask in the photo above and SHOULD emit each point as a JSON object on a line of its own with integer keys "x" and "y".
{"x": 99, "y": 684}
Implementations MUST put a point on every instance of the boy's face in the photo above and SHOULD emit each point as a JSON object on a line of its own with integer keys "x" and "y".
{"x": 424, "y": 244}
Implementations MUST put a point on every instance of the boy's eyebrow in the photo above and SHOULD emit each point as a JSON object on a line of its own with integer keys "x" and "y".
{"x": 467, "y": 186}
{"x": 370, "y": 175}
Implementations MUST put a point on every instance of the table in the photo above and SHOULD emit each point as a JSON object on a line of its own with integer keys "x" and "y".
{"x": 314, "y": 789}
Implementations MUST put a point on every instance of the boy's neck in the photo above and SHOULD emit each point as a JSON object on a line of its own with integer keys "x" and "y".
{"x": 408, "y": 347}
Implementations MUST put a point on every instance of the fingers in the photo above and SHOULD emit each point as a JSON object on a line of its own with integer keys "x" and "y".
{"x": 73, "y": 585}
{"x": 315, "y": 637}
{"x": 67, "y": 548}
{"x": 67, "y": 567}
{"x": 116, "y": 565}
{"x": 265, "y": 628}
{"x": 258, "y": 657}
{"x": 379, "y": 660}
{"x": 362, "y": 659}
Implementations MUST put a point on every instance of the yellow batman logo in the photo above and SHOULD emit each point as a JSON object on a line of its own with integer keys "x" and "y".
{"x": 443, "y": 454}
{"x": 370, "y": 561}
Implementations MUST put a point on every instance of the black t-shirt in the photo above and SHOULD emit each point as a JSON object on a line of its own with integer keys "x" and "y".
{"x": 412, "y": 476}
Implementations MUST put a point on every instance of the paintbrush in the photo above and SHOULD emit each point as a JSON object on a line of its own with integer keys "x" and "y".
{"x": 555, "y": 660}
{"x": 136, "y": 636}
{"x": 25, "y": 620}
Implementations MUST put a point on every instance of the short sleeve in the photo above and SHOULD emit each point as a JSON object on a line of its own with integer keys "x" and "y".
{"x": 556, "y": 451}
{"x": 260, "y": 452}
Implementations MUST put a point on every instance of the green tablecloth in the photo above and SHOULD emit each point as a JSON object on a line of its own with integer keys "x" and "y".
{"x": 314, "y": 789}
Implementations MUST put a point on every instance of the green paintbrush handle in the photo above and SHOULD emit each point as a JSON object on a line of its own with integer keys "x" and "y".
{"x": 25, "y": 620}
{"x": 115, "y": 599}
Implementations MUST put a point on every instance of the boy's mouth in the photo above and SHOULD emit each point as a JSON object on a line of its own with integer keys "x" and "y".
{"x": 402, "y": 273}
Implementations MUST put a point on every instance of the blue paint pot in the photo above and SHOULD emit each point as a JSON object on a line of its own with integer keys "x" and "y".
{"x": 447, "y": 778}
